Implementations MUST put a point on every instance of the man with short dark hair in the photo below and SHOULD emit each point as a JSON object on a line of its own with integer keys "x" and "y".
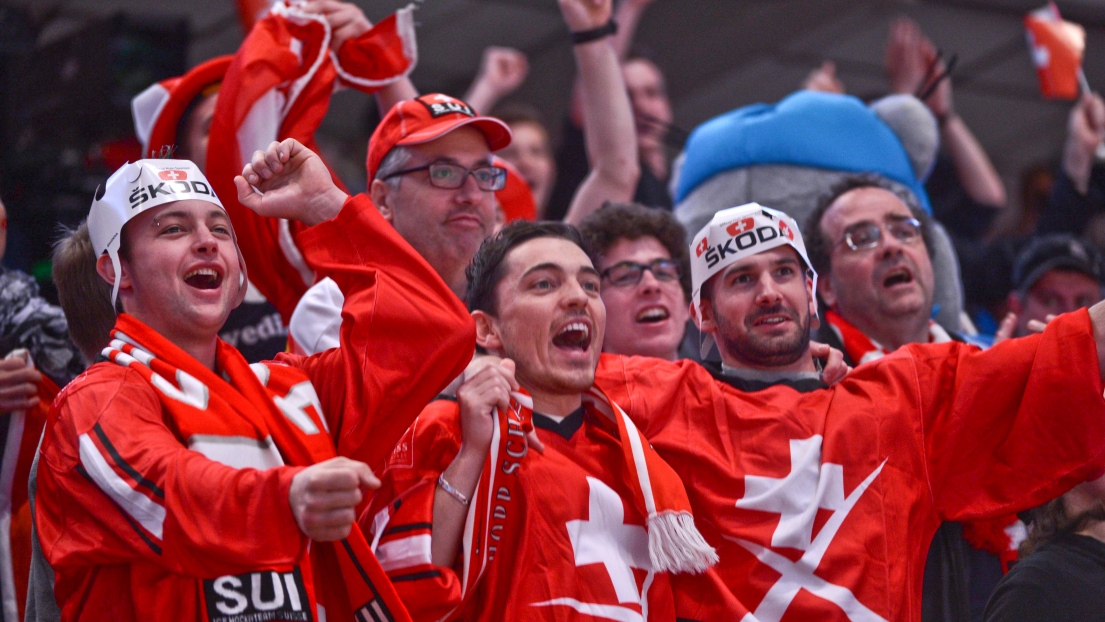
{"x": 642, "y": 258}
{"x": 594, "y": 524}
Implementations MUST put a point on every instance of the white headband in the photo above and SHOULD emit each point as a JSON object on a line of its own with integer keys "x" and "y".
{"x": 734, "y": 234}
{"x": 135, "y": 188}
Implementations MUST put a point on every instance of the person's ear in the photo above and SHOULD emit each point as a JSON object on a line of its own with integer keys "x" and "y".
{"x": 487, "y": 331}
{"x": 106, "y": 271}
{"x": 708, "y": 322}
{"x": 381, "y": 194}
{"x": 825, "y": 288}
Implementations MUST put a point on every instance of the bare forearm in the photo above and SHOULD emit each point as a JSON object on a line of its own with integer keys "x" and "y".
{"x": 481, "y": 97}
{"x": 972, "y": 165}
{"x": 394, "y": 93}
{"x": 1078, "y": 165}
{"x": 608, "y": 127}
{"x": 627, "y": 16}
{"x": 449, "y": 513}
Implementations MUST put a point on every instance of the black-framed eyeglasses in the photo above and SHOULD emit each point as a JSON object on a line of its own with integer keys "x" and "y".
{"x": 629, "y": 273}
{"x": 452, "y": 176}
{"x": 867, "y": 235}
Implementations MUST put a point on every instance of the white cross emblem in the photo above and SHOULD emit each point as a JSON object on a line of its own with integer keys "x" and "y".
{"x": 605, "y": 539}
{"x": 173, "y": 175}
{"x": 796, "y": 498}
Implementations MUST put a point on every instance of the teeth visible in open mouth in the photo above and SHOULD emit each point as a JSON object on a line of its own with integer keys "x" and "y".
{"x": 574, "y": 335}
{"x": 201, "y": 272}
{"x": 653, "y": 314}
{"x": 574, "y": 326}
{"x": 773, "y": 320}
{"x": 203, "y": 278}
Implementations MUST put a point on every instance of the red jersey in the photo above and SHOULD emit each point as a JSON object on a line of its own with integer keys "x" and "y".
{"x": 131, "y": 513}
{"x": 574, "y": 547}
{"x": 822, "y": 505}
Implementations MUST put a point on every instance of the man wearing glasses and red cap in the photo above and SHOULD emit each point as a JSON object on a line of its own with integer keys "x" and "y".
{"x": 434, "y": 180}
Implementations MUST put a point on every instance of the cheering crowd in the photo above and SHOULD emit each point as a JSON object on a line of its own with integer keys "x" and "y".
{"x": 598, "y": 384}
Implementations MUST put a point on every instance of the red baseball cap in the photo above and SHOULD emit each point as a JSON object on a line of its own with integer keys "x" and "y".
{"x": 431, "y": 116}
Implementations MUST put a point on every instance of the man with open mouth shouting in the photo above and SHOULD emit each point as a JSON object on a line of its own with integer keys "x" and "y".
{"x": 177, "y": 480}
{"x": 472, "y": 522}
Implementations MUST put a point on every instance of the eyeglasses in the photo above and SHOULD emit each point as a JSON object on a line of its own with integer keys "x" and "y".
{"x": 452, "y": 176}
{"x": 629, "y": 273}
{"x": 867, "y": 235}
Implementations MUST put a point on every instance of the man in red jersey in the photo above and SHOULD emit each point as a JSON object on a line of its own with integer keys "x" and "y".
{"x": 174, "y": 476}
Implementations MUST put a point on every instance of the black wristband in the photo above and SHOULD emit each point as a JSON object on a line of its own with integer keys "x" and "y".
{"x": 594, "y": 34}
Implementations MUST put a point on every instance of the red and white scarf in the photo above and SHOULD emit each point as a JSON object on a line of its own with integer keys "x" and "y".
{"x": 245, "y": 402}
{"x": 860, "y": 348}
{"x": 674, "y": 543}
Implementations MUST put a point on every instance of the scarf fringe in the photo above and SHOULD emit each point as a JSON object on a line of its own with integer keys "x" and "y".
{"x": 676, "y": 545}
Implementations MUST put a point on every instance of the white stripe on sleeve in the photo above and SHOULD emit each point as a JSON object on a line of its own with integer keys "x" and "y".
{"x": 141, "y": 508}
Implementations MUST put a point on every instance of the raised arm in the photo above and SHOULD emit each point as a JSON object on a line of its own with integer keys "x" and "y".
{"x": 909, "y": 55}
{"x": 628, "y": 17}
{"x": 502, "y": 71}
{"x": 404, "y": 334}
{"x": 607, "y": 115}
{"x": 347, "y": 23}
{"x": 1085, "y": 132}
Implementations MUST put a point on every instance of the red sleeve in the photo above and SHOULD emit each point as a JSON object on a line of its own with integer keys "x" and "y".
{"x": 404, "y": 334}
{"x": 400, "y": 517}
{"x": 1025, "y": 417}
{"x": 116, "y": 486}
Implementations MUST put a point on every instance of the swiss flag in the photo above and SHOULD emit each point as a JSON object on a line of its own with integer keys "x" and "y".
{"x": 173, "y": 175}
{"x": 1056, "y": 47}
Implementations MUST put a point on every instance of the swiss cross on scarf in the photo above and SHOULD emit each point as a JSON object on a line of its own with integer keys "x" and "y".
{"x": 273, "y": 401}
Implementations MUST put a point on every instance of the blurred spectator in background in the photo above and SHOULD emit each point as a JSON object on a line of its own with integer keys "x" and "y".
{"x": 30, "y": 323}
{"x": 652, "y": 116}
{"x": 530, "y": 151}
{"x": 1077, "y": 201}
{"x": 1054, "y": 274}
{"x": 36, "y": 359}
{"x": 965, "y": 190}
{"x": 642, "y": 260}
